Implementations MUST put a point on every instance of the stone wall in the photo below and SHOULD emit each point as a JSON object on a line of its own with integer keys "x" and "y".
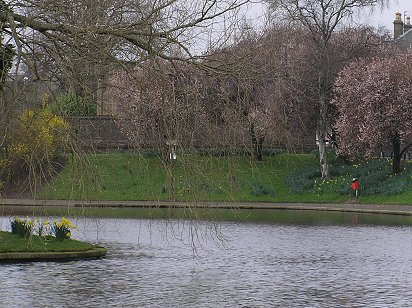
{"x": 100, "y": 132}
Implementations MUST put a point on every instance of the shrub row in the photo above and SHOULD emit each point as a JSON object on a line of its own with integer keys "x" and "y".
{"x": 374, "y": 177}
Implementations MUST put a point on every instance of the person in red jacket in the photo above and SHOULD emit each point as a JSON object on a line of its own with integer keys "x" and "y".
{"x": 355, "y": 186}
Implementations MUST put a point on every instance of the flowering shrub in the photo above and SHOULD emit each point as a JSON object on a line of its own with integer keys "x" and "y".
{"x": 40, "y": 135}
{"x": 32, "y": 146}
{"x": 62, "y": 229}
{"x": 22, "y": 227}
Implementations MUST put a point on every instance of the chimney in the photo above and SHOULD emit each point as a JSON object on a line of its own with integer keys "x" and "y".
{"x": 407, "y": 26}
{"x": 397, "y": 26}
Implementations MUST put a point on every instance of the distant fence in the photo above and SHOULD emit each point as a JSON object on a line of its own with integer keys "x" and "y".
{"x": 103, "y": 133}
{"x": 99, "y": 132}
{"x": 389, "y": 154}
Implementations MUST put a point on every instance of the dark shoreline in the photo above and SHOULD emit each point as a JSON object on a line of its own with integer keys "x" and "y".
{"x": 18, "y": 257}
{"x": 12, "y": 206}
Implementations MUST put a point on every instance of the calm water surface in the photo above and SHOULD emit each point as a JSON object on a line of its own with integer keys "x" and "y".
{"x": 152, "y": 263}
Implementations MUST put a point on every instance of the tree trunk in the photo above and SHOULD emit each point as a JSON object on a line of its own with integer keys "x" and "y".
{"x": 170, "y": 181}
{"x": 321, "y": 135}
{"x": 323, "y": 159}
{"x": 259, "y": 149}
{"x": 168, "y": 165}
{"x": 397, "y": 155}
{"x": 257, "y": 144}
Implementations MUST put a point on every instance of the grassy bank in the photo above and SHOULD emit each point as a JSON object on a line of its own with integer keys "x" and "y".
{"x": 279, "y": 178}
{"x": 13, "y": 243}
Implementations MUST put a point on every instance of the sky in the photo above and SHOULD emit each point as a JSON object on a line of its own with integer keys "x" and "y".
{"x": 380, "y": 17}
{"x": 386, "y": 16}
{"x": 253, "y": 14}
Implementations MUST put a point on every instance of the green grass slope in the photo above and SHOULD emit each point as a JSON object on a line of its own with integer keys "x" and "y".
{"x": 279, "y": 178}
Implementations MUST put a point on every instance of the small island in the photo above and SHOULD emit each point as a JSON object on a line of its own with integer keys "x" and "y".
{"x": 22, "y": 245}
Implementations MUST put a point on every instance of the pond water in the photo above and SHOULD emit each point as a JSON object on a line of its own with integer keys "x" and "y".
{"x": 170, "y": 263}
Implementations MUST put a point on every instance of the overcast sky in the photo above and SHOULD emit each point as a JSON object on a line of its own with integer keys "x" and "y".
{"x": 386, "y": 17}
{"x": 378, "y": 18}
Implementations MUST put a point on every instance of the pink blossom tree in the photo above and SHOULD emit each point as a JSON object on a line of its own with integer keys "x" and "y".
{"x": 374, "y": 101}
{"x": 267, "y": 87}
{"x": 158, "y": 106}
{"x": 263, "y": 88}
{"x": 158, "y": 102}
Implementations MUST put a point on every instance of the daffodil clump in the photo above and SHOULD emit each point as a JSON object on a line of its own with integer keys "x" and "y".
{"x": 25, "y": 227}
{"x": 43, "y": 227}
{"x": 62, "y": 229}
{"x": 22, "y": 227}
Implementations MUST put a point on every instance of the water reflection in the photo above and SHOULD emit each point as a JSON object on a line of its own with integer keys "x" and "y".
{"x": 261, "y": 265}
{"x": 279, "y": 216}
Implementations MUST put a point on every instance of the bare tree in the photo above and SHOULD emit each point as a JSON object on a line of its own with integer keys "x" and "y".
{"x": 6, "y": 57}
{"x": 78, "y": 44}
{"x": 323, "y": 19}
{"x": 137, "y": 29}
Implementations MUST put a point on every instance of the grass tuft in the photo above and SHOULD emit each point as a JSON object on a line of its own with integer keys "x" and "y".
{"x": 13, "y": 243}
